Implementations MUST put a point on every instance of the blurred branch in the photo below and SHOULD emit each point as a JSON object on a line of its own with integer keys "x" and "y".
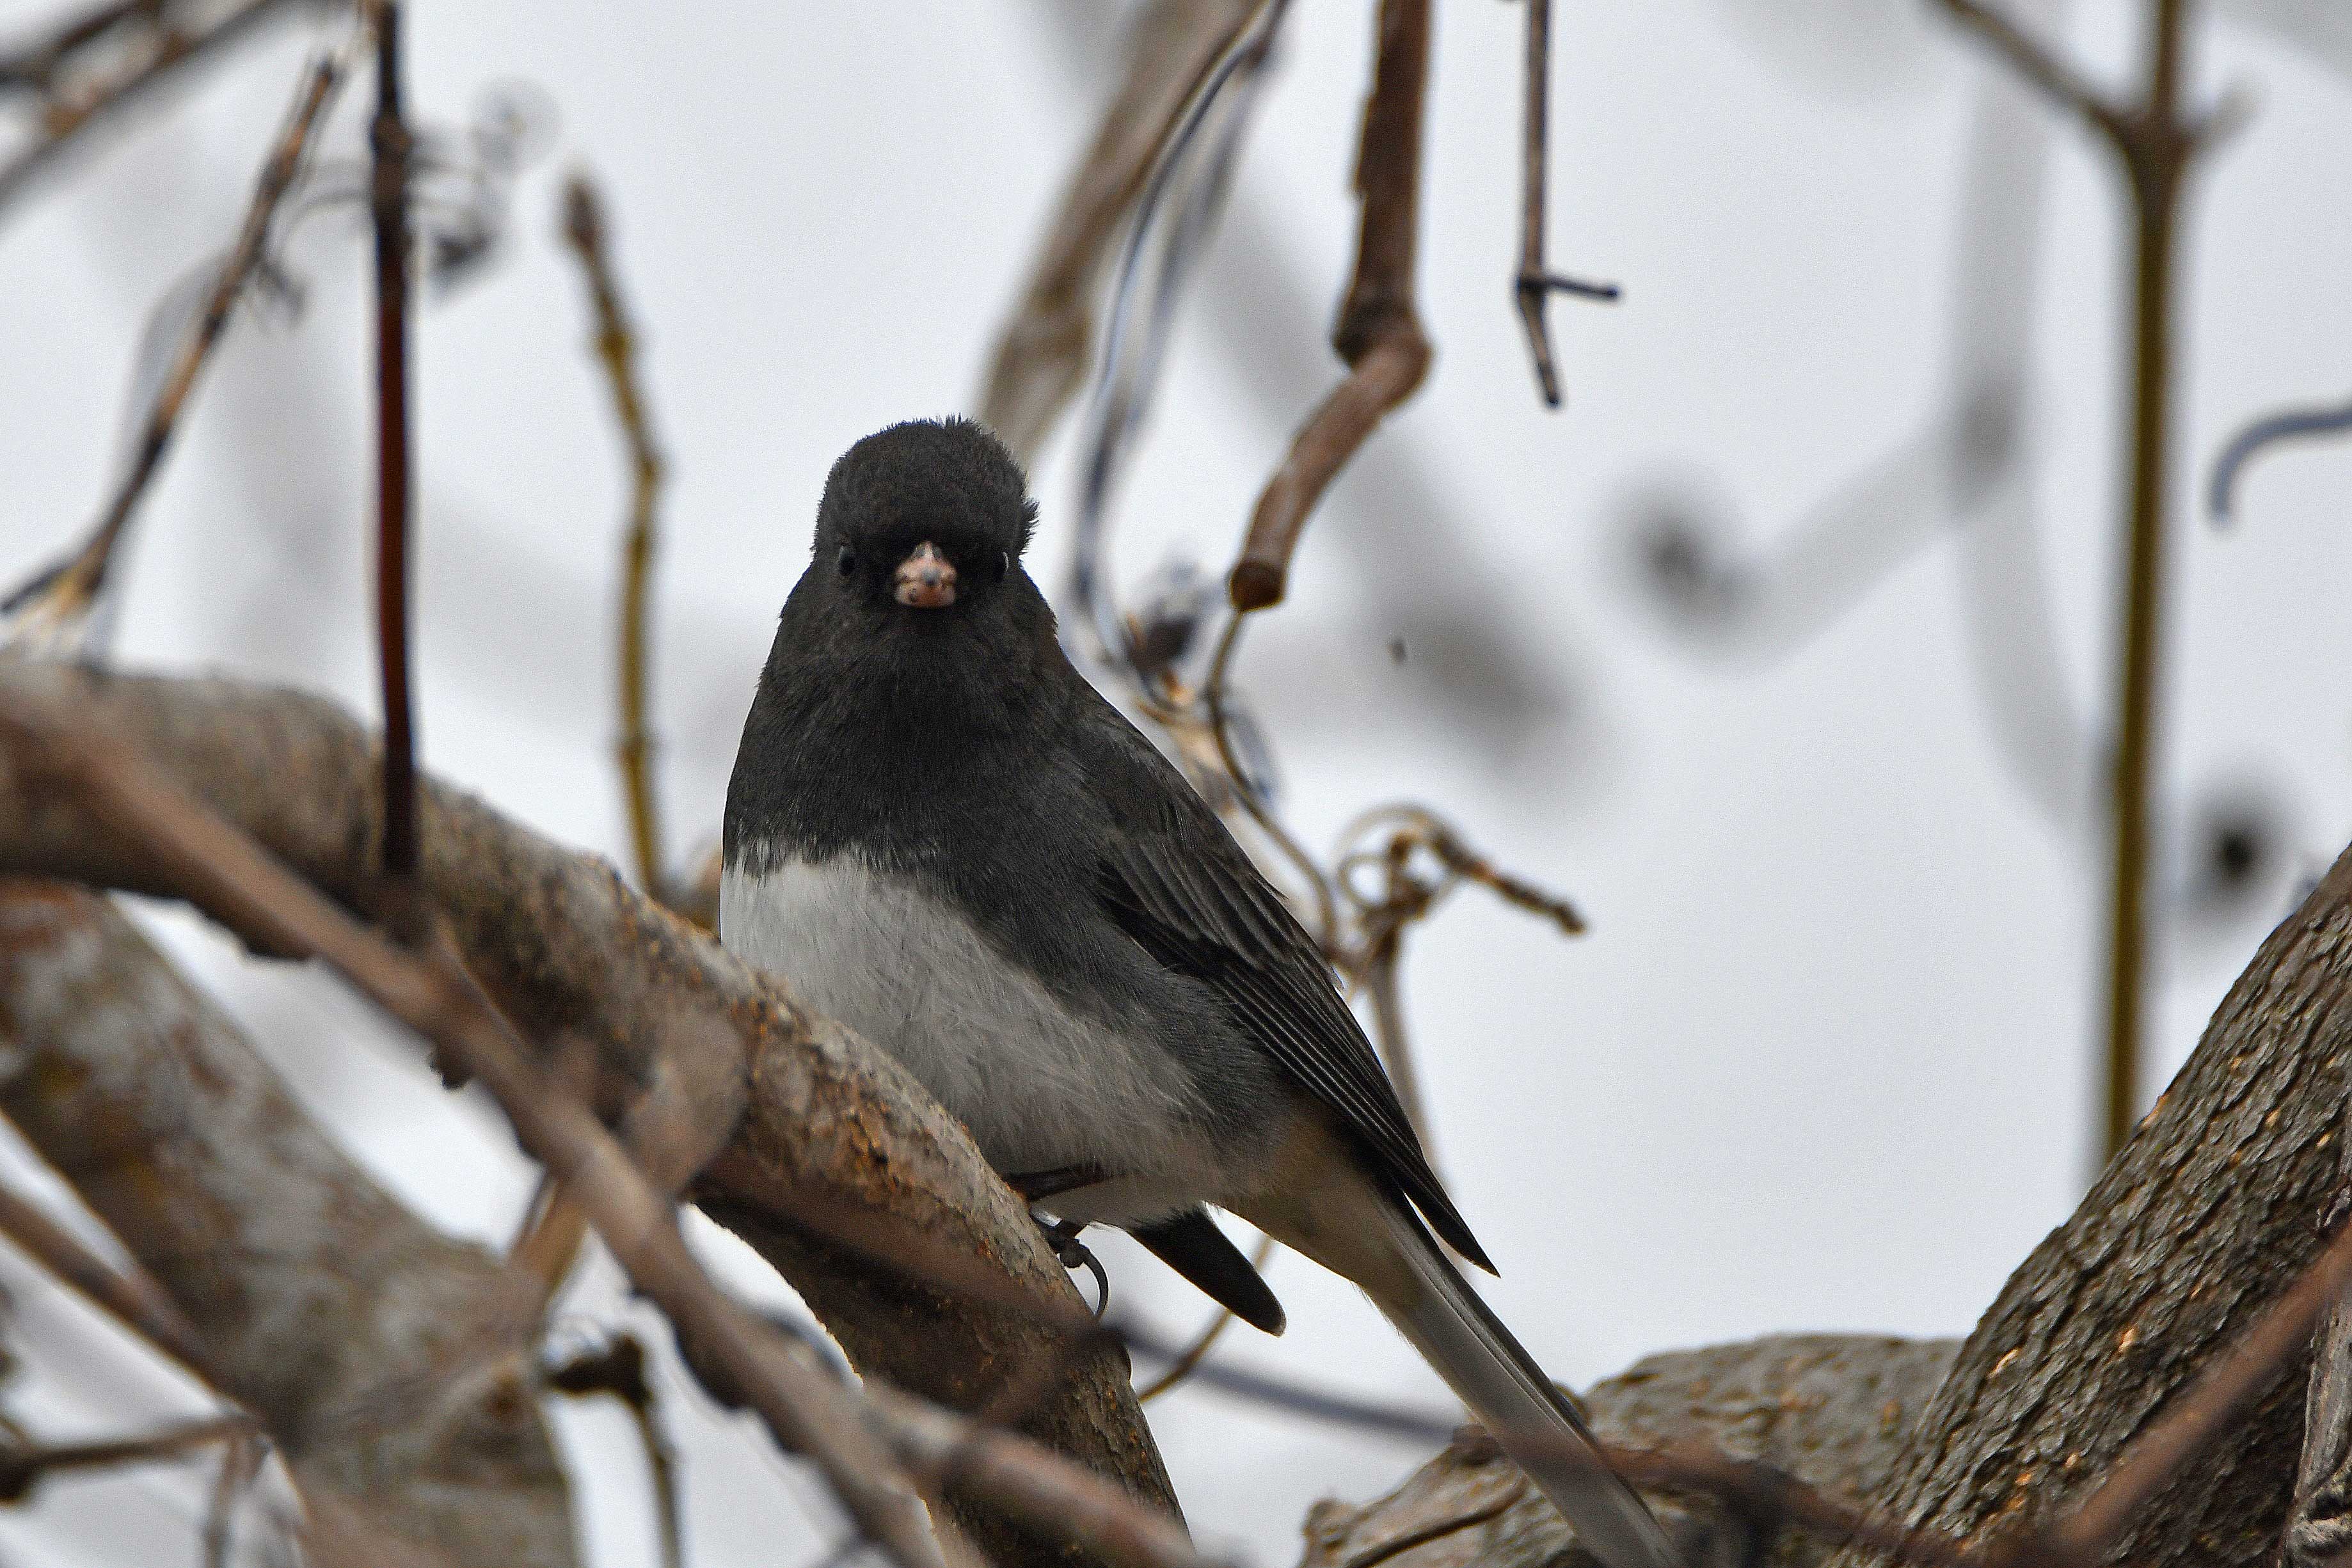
{"x": 814, "y": 1115}
{"x": 2155, "y": 146}
{"x": 1378, "y": 332}
{"x": 2040, "y": 63}
{"x": 133, "y": 1299}
{"x": 168, "y": 50}
{"x": 2259, "y": 436}
{"x": 25, "y": 1467}
{"x": 1188, "y": 1360}
{"x": 59, "y": 599}
{"x": 1534, "y": 285}
{"x": 387, "y": 1362}
{"x": 616, "y": 349}
{"x": 1042, "y": 350}
{"x": 388, "y": 145}
{"x": 618, "y": 1370}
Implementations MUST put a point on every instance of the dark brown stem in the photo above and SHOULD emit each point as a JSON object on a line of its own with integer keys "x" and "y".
{"x": 1533, "y": 286}
{"x": 2156, "y": 150}
{"x": 616, "y": 349}
{"x": 64, "y": 593}
{"x": 389, "y": 143}
{"x": 2155, "y": 146}
{"x": 1378, "y": 332}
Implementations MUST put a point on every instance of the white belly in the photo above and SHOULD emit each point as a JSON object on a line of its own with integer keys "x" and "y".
{"x": 1039, "y": 1087}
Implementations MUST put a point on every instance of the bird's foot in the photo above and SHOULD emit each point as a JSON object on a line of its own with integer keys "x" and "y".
{"x": 1062, "y": 1235}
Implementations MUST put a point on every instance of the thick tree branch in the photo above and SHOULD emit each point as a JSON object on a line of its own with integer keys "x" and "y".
{"x": 1833, "y": 1409}
{"x": 389, "y": 1364}
{"x": 2212, "y": 1214}
{"x": 562, "y": 945}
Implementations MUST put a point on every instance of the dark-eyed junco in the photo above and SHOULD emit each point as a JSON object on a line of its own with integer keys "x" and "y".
{"x": 941, "y": 834}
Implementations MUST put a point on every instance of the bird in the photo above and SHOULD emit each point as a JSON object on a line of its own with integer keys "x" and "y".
{"x": 939, "y": 833}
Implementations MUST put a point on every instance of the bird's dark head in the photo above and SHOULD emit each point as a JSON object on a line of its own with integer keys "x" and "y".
{"x": 924, "y": 522}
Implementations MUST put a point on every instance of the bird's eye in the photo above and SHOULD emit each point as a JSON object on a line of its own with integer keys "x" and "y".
{"x": 1003, "y": 564}
{"x": 846, "y": 561}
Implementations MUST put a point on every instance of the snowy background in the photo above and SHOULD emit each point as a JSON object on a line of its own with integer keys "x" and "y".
{"x": 1823, "y": 1062}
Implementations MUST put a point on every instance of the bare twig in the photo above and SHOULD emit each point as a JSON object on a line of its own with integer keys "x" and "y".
{"x": 240, "y": 1466}
{"x": 2155, "y": 151}
{"x": 169, "y": 52}
{"x": 1378, "y": 332}
{"x": 619, "y": 1370}
{"x": 1188, "y": 1359}
{"x": 61, "y": 596}
{"x": 2040, "y": 63}
{"x": 2260, "y": 437}
{"x": 1533, "y": 285}
{"x": 130, "y": 1298}
{"x": 616, "y": 349}
{"x": 549, "y": 1242}
{"x": 389, "y": 144}
{"x": 36, "y": 65}
{"x": 24, "y": 1467}
{"x": 1040, "y": 354}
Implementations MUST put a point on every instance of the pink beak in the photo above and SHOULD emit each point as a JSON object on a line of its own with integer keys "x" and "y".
{"x": 925, "y": 580}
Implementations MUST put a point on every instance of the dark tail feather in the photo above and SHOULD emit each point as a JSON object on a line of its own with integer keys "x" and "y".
{"x": 1191, "y": 1244}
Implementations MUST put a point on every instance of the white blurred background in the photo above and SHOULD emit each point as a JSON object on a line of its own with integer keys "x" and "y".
{"x": 1824, "y": 1060}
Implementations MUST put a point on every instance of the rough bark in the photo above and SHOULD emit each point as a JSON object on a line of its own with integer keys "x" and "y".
{"x": 819, "y": 1119}
{"x": 390, "y": 1364}
{"x": 1832, "y": 1408}
{"x": 2220, "y": 1200}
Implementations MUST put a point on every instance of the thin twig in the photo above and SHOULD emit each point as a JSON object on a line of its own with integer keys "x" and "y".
{"x": 549, "y": 1242}
{"x": 64, "y": 593}
{"x": 67, "y": 123}
{"x": 1533, "y": 285}
{"x": 619, "y": 1370}
{"x": 240, "y": 1465}
{"x": 2155, "y": 151}
{"x": 2040, "y": 63}
{"x": 36, "y": 65}
{"x": 131, "y": 1299}
{"x": 616, "y": 349}
{"x": 1041, "y": 351}
{"x": 2155, "y": 145}
{"x": 2288, "y": 425}
{"x": 1188, "y": 1360}
{"x": 1378, "y": 332}
{"x": 388, "y": 145}
{"x": 22, "y": 1468}
{"x": 1326, "y": 913}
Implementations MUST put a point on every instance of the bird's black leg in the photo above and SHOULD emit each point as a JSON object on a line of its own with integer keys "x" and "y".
{"x": 1037, "y": 1187}
{"x": 1062, "y": 1235}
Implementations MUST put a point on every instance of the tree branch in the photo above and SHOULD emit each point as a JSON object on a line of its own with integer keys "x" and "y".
{"x": 169, "y": 54}
{"x": 1042, "y": 349}
{"x": 389, "y": 1364}
{"x": 56, "y": 600}
{"x": 1378, "y": 332}
{"x": 808, "y": 1112}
